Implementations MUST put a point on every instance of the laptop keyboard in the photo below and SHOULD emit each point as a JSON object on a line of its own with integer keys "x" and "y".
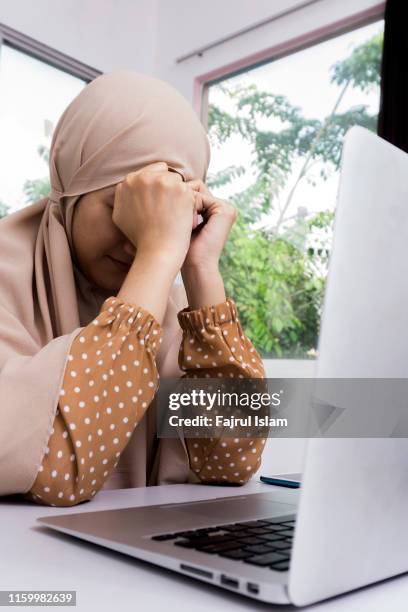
{"x": 264, "y": 543}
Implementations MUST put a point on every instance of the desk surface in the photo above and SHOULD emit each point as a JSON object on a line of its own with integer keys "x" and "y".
{"x": 33, "y": 557}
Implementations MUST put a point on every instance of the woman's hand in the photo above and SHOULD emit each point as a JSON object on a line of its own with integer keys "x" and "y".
{"x": 154, "y": 209}
{"x": 202, "y": 279}
{"x": 209, "y": 237}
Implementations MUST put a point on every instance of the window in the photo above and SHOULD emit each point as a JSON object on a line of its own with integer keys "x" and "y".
{"x": 276, "y": 132}
{"x": 33, "y": 96}
{"x": 36, "y": 85}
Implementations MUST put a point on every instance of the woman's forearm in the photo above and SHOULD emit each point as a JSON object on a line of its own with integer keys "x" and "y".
{"x": 204, "y": 286}
{"x": 109, "y": 382}
{"x": 214, "y": 345}
{"x": 148, "y": 283}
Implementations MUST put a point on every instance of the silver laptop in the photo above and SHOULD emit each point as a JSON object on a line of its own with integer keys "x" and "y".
{"x": 349, "y": 529}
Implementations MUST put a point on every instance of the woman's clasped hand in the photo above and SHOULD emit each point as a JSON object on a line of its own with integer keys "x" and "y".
{"x": 158, "y": 212}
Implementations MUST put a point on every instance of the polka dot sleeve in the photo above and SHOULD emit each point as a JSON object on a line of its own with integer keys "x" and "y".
{"x": 109, "y": 381}
{"x": 215, "y": 345}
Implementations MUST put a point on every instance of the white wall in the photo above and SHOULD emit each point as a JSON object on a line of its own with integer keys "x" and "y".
{"x": 148, "y": 35}
{"x": 105, "y": 34}
{"x": 206, "y": 22}
{"x": 183, "y": 26}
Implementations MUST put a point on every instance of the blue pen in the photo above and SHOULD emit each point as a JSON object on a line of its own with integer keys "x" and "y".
{"x": 292, "y": 481}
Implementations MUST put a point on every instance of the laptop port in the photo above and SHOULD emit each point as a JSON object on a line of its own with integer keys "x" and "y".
{"x": 252, "y": 588}
{"x": 229, "y": 582}
{"x": 197, "y": 571}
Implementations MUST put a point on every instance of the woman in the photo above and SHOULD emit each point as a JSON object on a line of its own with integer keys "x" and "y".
{"x": 90, "y": 317}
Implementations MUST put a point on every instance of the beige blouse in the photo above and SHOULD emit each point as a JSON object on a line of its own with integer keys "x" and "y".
{"x": 111, "y": 379}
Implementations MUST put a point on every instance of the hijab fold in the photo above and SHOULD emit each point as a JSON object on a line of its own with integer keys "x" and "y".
{"x": 118, "y": 124}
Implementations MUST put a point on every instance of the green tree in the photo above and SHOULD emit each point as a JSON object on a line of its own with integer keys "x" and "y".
{"x": 276, "y": 274}
{"x": 38, "y": 188}
{"x": 33, "y": 189}
{"x": 3, "y": 209}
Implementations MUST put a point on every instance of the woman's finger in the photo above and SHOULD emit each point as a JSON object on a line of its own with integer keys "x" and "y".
{"x": 198, "y": 202}
{"x": 195, "y": 219}
{"x": 198, "y": 185}
{"x": 208, "y": 202}
{"x": 214, "y": 206}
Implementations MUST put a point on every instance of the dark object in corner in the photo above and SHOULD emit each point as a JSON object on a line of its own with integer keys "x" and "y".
{"x": 393, "y": 116}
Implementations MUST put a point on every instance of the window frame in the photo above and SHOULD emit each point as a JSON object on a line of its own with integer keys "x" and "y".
{"x": 202, "y": 82}
{"x": 281, "y": 367}
{"x": 38, "y": 50}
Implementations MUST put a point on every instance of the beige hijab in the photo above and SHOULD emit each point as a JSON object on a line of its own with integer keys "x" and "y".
{"x": 119, "y": 123}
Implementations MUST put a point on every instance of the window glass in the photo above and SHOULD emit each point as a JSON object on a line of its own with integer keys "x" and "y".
{"x": 33, "y": 95}
{"x": 276, "y": 133}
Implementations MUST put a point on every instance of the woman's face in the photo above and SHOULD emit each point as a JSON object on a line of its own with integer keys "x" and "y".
{"x": 103, "y": 253}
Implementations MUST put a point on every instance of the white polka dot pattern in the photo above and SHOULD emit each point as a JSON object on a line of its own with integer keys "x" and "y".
{"x": 215, "y": 346}
{"x": 110, "y": 380}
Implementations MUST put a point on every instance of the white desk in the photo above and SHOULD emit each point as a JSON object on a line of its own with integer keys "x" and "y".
{"x": 33, "y": 557}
